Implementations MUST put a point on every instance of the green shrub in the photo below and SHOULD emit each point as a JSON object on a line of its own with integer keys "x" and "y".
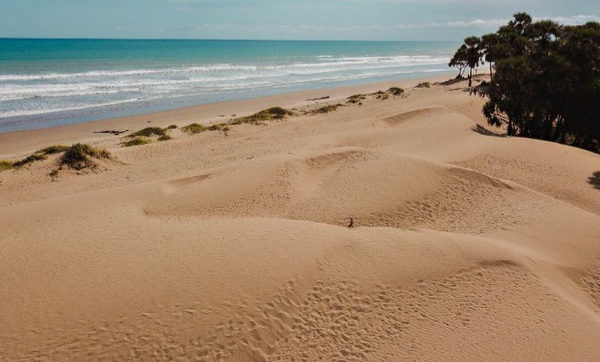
{"x": 138, "y": 141}
{"x": 194, "y": 128}
{"x": 172, "y": 127}
{"x": 52, "y": 150}
{"x": 424, "y": 85}
{"x": 81, "y": 155}
{"x": 356, "y": 98}
{"x": 5, "y": 165}
{"x": 148, "y": 132}
{"x": 396, "y": 91}
{"x": 29, "y": 160}
{"x": 271, "y": 114}
{"x": 327, "y": 109}
{"x": 164, "y": 138}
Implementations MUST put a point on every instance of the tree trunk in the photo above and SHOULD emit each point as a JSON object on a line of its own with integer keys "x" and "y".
{"x": 470, "y": 77}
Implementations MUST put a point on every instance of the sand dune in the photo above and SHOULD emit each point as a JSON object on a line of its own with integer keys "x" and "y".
{"x": 467, "y": 246}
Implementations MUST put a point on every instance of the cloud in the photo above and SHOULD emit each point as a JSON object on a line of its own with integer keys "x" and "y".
{"x": 475, "y": 23}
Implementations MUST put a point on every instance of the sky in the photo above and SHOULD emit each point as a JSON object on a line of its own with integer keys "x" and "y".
{"x": 277, "y": 19}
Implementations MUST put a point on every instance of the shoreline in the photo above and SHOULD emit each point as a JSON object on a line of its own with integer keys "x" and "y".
{"x": 17, "y": 143}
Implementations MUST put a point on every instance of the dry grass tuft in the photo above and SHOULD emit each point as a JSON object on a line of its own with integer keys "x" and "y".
{"x": 52, "y": 150}
{"x": 396, "y": 91}
{"x": 354, "y": 99}
{"x": 5, "y": 165}
{"x": 148, "y": 132}
{"x": 29, "y": 160}
{"x": 138, "y": 141}
{"x": 271, "y": 114}
{"x": 194, "y": 128}
{"x": 81, "y": 156}
{"x": 327, "y": 109}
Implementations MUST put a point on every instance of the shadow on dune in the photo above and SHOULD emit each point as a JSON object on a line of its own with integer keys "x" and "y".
{"x": 594, "y": 180}
{"x": 486, "y": 132}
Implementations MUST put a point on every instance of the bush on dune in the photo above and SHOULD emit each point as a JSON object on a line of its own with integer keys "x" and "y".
{"x": 271, "y": 114}
{"x": 194, "y": 128}
{"x": 81, "y": 156}
{"x": 5, "y": 165}
{"x": 396, "y": 91}
{"x": 138, "y": 141}
{"x": 148, "y": 132}
{"x": 327, "y": 109}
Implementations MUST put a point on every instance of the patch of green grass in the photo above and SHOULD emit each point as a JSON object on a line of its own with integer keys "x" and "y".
{"x": 424, "y": 85}
{"x": 148, "y": 132}
{"x": 396, "y": 91}
{"x": 164, "y": 138}
{"x": 5, "y": 165}
{"x": 81, "y": 156}
{"x": 218, "y": 127}
{"x": 356, "y": 98}
{"x": 138, "y": 141}
{"x": 194, "y": 128}
{"x": 271, "y": 114}
{"x": 52, "y": 150}
{"x": 327, "y": 109}
{"x": 29, "y": 160}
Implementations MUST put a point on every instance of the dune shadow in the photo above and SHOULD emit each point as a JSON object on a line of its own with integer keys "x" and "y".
{"x": 594, "y": 180}
{"x": 486, "y": 132}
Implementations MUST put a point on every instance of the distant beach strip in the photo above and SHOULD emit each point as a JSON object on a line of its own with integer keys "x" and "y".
{"x": 53, "y": 82}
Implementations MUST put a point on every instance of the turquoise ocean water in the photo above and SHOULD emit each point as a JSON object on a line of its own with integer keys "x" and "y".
{"x": 51, "y": 82}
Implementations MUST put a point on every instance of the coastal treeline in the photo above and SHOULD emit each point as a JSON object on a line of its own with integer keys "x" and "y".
{"x": 545, "y": 79}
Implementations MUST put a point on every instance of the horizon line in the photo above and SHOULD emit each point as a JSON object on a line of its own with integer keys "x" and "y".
{"x": 224, "y": 39}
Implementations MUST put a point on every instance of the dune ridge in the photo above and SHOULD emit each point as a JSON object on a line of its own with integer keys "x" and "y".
{"x": 467, "y": 246}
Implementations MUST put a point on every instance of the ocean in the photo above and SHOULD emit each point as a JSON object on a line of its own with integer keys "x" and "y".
{"x": 51, "y": 82}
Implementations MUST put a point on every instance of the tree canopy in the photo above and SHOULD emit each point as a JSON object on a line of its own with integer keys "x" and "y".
{"x": 546, "y": 79}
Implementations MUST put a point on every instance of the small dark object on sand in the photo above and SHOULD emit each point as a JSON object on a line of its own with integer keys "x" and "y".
{"x": 351, "y": 225}
{"x": 318, "y": 99}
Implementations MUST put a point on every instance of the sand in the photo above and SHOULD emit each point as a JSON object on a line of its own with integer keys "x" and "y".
{"x": 467, "y": 246}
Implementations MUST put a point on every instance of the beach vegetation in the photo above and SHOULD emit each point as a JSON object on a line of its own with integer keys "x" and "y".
{"x": 546, "y": 82}
{"x": 83, "y": 156}
{"x": 172, "y": 127}
{"x": 424, "y": 85}
{"x": 396, "y": 91}
{"x": 138, "y": 141}
{"x": 194, "y": 128}
{"x": 164, "y": 138}
{"x": 29, "y": 160}
{"x": 327, "y": 109}
{"x": 459, "y": 60}
{"x": 270, "y": 114}
{"x": 356, "y": 98}
{"x": 469, "y": 55}
{"x": 5, "y": 165}
{"x": 53, "y": 150}
{"x": 148, "y": 132}
{"x": 219, "y": 127}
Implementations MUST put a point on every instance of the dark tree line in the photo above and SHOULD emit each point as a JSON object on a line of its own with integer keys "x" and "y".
{"x": 545, "y": 79}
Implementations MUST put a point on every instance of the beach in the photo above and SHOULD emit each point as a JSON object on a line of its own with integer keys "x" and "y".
{"x": 234, "y": 245}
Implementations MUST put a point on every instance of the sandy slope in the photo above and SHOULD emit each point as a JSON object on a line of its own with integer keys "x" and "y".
{"x": 469, "y": 246}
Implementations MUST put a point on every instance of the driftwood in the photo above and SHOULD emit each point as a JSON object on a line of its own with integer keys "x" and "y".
{"x": 113, "y": 132}
{"x": 318, "y": 99}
